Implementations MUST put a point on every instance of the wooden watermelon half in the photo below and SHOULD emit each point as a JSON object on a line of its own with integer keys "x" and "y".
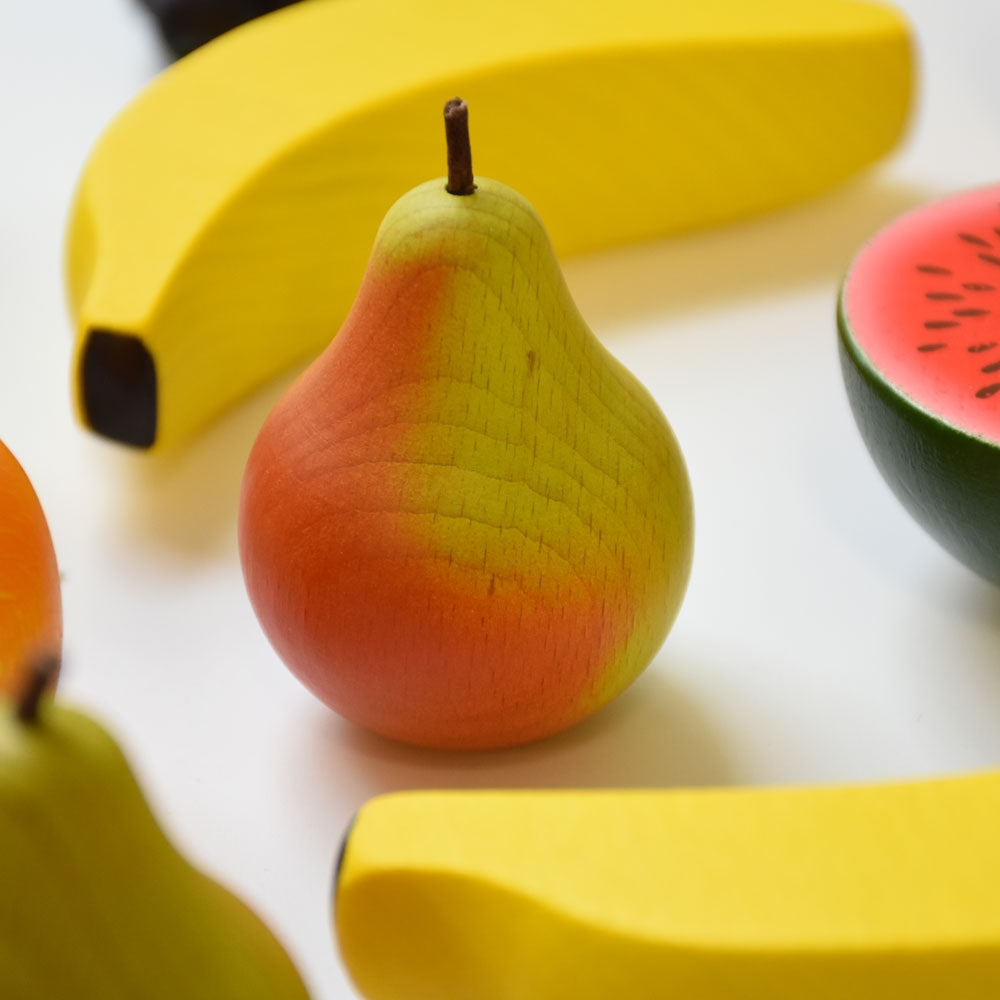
{"x": 919, "y": 321}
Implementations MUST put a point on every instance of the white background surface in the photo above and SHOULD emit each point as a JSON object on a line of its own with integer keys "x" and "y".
{"x": 824, "y": 637}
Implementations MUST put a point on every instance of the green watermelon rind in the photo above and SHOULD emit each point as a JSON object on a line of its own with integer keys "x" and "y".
{"x": 947, "y": 478}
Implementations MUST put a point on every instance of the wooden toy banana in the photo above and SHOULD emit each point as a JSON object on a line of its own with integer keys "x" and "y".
{"x": 865, "y": 892}
{"x": 223, "y": 221}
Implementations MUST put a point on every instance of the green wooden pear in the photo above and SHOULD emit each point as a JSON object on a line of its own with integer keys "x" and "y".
{"x": 96, "y": 903}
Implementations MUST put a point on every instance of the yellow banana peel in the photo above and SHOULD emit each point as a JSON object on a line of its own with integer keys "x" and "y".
{"x": 868, "y": 892}
{"x": 223, "y": 220}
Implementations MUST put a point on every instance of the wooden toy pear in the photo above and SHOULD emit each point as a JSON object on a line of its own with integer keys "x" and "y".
{"x": 466, "y": 525}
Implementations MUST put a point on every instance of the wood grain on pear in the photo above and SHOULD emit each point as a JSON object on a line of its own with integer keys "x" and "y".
{"x": 30, "y": 589}
{"x": 466, "y": 525}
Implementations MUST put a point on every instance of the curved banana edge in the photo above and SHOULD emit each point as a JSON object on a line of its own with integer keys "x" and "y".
{"x": 222, "y": 223}
{"x": 758, "y": 894}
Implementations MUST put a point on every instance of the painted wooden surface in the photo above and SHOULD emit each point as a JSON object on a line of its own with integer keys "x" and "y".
{"x": 225, "y": 216}
{"x": 97, "y": 901}
{"x": 919, "y": 343}
{"x": 868, "y": 892}
{"x": 30, "y": 588}
{"x": 825, "y": 637}
{"x": 467, "y": 462}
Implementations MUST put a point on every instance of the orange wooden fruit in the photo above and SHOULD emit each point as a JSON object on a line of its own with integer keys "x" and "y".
{"x": 30, "y": 593}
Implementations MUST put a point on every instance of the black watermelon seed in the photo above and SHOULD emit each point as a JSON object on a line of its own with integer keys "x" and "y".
{"x": 978, "y": 286}
{"x": 940, "y": 324}
{"x": 927, "y": 348}
{"x": 990, "y": 369}
{"x": 990, "y": 258}
{"x": 979, "y": 348}
{"x": 932, "y": 269}
{"x": 971, "y": 312}
{"x": 988, "y": 390}
{"x": 944, "y": 296}
{"x": 977, "y": 240}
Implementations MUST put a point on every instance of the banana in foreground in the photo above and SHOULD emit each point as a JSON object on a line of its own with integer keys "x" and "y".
{"x": 223, "y": 220}
{"x": 866, "y": 892}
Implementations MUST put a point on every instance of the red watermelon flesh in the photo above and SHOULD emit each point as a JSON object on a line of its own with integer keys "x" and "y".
{"x": 922, "y": 302}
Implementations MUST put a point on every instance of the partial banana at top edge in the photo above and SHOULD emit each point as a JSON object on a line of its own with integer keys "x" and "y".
{"x": 224, "y": 218}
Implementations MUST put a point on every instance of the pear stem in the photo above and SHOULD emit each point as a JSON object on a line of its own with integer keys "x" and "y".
{"x": 41, "y": 674}
{"x": 456, "y": 131}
